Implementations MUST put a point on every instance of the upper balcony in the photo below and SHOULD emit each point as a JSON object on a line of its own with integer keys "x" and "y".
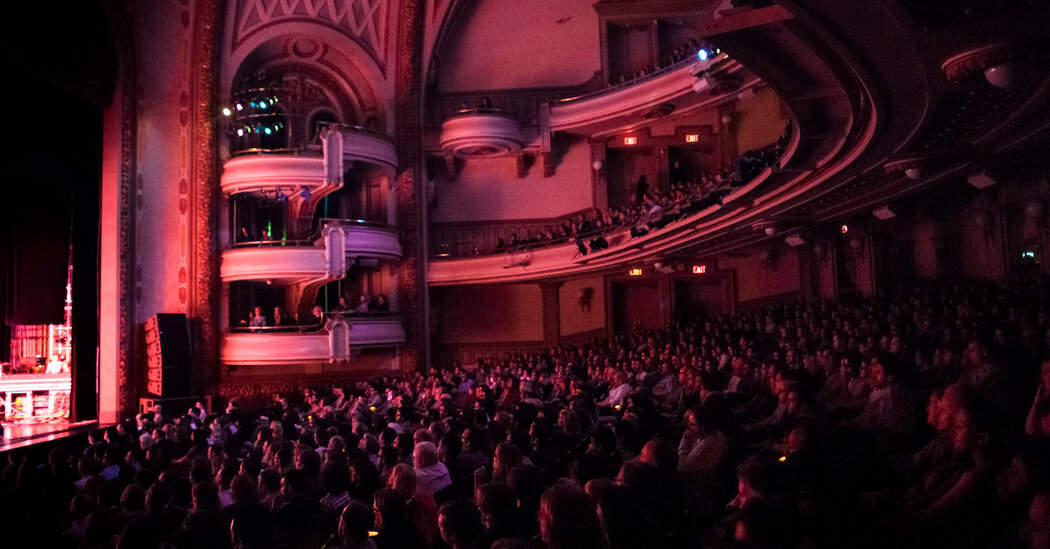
{"x": 312, "y": 168}
{"x": 338, "y": 341}
{"x": 341, "y": 243}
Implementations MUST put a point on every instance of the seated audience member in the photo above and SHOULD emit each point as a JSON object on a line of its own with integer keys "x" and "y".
{"x": 460, "y": 523}
{"x": 1038, "y": 422}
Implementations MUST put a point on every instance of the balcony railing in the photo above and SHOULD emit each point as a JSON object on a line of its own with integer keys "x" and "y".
{"x": 341, "y": 339}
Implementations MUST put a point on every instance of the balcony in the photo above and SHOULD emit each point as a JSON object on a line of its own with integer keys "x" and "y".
{"x": 479, "y": 133}
{"x": 340, "y": 243}
{"x": 339, "y": 341}
{"x": 315, "y": 169}
{"x": 683, "y": 87}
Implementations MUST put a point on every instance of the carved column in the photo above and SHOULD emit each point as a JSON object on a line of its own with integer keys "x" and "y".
{"x": 551, "y": 313}
{"x": 203, "y": 309}
{"x": 411, "y": 185}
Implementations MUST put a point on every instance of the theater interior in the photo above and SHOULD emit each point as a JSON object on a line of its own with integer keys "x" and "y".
{"x": 219, "y": 203}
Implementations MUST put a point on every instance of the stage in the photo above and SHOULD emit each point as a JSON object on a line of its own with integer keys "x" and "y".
{"x": 34, "y": 408}
{"x": 26, "y": 433}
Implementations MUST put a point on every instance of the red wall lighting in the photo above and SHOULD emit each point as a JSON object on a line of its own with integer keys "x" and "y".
{"x": 845, "y": 229}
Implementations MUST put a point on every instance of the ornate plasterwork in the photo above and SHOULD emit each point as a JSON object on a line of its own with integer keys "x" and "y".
{"x": 128, "y": 136}
{"x": 363, "y": 21}
{"x": 205, "y": 190}
{"x": 966, "y": 116}
{"x": 857, "y": 189}
{"x": 410, "y": 196}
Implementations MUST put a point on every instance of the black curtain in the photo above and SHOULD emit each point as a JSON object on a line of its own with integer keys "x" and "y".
{"x": 53, "y": 173}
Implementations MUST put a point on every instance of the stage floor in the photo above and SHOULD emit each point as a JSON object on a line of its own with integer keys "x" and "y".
{"x": 21, "y": 434}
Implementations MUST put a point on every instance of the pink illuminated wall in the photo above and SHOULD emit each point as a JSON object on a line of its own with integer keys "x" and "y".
{"x": 576, "y": 316}
{"x": 489, "y": 189}
{"x": 483, "y": 314}
{"x": 507, "y": 44}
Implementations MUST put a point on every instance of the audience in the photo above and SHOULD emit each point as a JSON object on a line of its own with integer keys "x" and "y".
{"x": 796, "y": 425}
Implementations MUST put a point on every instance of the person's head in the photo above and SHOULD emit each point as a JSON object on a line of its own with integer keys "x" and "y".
{"x": 424, "y": 454}
{"x": 403, "y": 479}
{"x": 294, "y": 484}
{"x": 460, "y": 523}
{"x": 205, "y": 496}
{"x": 335, "y": 478}
{"x": 318, "y": 311}
{"x": 498, "y": 504}
{"x": 355, "y": 522}
{"x": 568, "y": 519}
{"x": 391, "y": 509}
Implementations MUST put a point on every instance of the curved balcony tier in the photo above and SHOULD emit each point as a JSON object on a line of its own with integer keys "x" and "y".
{"x": 680, "y": 88}
{"x": 339, "y": 341}
{"x": 287, "y": 262}
{"x": 481, "y": 133}
{"x": 270, "y": 172}
{"x": 314, "y": 169}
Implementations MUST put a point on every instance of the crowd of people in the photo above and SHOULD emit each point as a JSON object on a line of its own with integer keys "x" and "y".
{"x": 687, "y": 50}
{"x": 917, "y": 419}
{"x": 650, "y": 208}
{"x": 363, "y": 305}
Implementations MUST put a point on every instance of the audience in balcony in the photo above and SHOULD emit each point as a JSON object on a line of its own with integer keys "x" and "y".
{"x": 649, "y": 208}
{"x": 771, "y": 451}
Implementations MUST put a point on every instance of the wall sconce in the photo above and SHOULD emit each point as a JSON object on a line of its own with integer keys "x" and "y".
{"x": 983, "y": 221}
{"x": 768, "y": 259}
{"x": 857, "y": 245}
{"x": 1033, "y": 220}
{"x": 584, "y": 297}
{"x": 821, "y": 251}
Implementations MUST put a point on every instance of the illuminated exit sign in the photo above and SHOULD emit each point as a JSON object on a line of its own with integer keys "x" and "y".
{"x": 699, "y": 269}
{"x": 635, "y": 272}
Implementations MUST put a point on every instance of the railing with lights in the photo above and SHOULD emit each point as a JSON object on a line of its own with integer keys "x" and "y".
{"x": 707, "y": 57}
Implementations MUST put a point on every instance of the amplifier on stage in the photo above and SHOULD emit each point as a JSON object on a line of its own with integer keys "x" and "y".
{"x": 168, "y": 355}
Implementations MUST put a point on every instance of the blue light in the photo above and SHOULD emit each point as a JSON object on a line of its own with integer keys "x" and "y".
{"x": 266, "y": 130}
{"x": 702, "y": 54}
{"x": 262, "y": 104}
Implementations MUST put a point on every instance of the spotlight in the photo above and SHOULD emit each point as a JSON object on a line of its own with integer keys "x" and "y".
{"x": 240, "y": 107}
{"x": 262, "y": 104}
{"x": 267, "y": 130}
{"x": 240, "y": 132}
{"x": 702, "y": 54}
{"x": 226, "y": 111}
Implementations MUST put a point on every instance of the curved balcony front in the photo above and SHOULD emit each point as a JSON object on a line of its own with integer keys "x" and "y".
{"x": 339, "y": 341}
{"x": 269, "y": 172}
{"x": 283, "y": 263}
{"x": 312, "y": 169}
{"x": 481, "y": 133}
{"x": 680, "y": 88}
{"x": 289, "y": 262}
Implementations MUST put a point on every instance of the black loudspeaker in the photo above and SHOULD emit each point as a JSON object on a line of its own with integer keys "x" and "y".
{"x": 168, "y": 355}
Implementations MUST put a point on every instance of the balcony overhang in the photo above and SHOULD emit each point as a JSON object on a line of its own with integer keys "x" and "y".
{"x": 481, "y": 134}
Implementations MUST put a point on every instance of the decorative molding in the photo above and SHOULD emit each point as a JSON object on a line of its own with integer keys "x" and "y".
{"x": 967, "y": 116}
{"x": 972, "y": 64}
{"x": 867, "y": 186}
{"x": 126, "y": 400}
{"x": 411, "y": 198}
{"x": 205, "y": 290}
{"x": 363, "y": 21}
